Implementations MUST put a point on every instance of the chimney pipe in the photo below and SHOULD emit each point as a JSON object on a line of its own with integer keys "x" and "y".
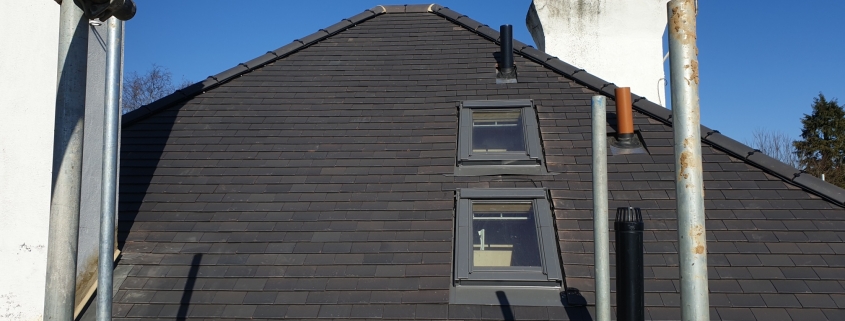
{"x": 507, "y": 70}
{"x": 624, "y": 117}
{"x": 630, "y": 284}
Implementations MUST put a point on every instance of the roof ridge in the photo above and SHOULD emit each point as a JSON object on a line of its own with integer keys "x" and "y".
{"x": 712, "y": 137}
{"x": 245, "y": 67}
{"x": 407, "y": 8}
{"x": 214, "y": 81}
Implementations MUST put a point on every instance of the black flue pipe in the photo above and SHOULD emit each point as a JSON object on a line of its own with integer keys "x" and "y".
{"x": 506, "y": 48}
{"x": 629, "y": 264}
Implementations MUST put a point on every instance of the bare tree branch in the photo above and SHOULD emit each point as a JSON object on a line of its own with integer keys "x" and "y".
{"x": 139, "y": 90}
{"x": 776, "y": 144}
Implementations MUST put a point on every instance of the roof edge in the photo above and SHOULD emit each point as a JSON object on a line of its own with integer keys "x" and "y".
{"x": 829, "y": 192}
{"x": 214, "y": 81}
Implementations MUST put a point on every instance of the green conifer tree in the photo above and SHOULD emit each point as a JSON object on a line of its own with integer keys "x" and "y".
{"x": 821, "y": 149}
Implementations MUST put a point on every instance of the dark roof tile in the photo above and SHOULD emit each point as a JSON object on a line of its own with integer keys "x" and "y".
{"x": 466, "y": 312}
{"x": 398, "y": 312}
{"x": 746, "y": 300}
{"x": 771, "y": 314}
{"x": 431, "y": 311}
{"x": 335, "y": 311}
{"x": 302, "y": 311}
{"x": 783, "y": 300}
{"x": 834, "y": 314}
{"x": 367, "y": 311}
{"x": 806, "y": 314}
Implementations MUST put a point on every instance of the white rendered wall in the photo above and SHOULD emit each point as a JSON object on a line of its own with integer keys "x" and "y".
{"x": 28, "y": 67}
{"x": 620, "y": 41}
{"x": 28, "y": 60}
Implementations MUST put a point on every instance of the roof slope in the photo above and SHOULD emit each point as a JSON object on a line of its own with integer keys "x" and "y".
{"x": 313, "y": 183}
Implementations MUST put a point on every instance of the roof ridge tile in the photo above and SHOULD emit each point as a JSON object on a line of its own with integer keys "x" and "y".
{"x": 406, "y": 8}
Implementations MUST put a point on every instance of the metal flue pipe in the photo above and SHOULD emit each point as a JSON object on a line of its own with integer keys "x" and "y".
{"x": 506, "y": 49}
{"x": 686, "y": 114}
{"x": 630, "y": 282}
{"x": 601, "y": 240}
{"x": 60, "y": 287}
{"x": 105, "y": 269}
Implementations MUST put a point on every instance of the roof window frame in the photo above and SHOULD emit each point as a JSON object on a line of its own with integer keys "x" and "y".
{"x": 522, "y": 286}
{"x": 530, "y": 162}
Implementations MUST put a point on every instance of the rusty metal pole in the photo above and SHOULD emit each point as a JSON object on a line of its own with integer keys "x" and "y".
{"x": 686, "y": 116}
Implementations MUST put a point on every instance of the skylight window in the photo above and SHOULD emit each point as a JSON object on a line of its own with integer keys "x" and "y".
{"x": 498, "y": 137}
{"x": 505, "y": 241}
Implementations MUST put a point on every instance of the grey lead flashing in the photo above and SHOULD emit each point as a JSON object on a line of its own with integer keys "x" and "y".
{"x": 497, "y": 193}
{"x": 243, "y": 68}
{"x": 497, "y": 170}
{"x": 537, "y": 296}
{"x": 498, "y": 103}
{"x": 769, "y": 165}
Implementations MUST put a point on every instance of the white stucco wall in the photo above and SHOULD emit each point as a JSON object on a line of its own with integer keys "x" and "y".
{"x": 620, "y": 41}
{"x": 28, "y": 67}
{"x": 28, "y": 59}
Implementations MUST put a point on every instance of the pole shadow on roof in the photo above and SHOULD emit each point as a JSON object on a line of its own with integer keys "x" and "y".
{"x": 184, "y": 303}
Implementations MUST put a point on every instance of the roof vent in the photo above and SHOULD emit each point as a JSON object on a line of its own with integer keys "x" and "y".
{"x": 626, "y": 140}
{"x": 506, "y": 70}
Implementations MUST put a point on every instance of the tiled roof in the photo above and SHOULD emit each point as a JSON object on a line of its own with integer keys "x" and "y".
{"x": 314, "y": 182}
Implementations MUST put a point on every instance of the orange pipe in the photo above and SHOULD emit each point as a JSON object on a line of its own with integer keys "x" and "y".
{"x": 624, "y": 115}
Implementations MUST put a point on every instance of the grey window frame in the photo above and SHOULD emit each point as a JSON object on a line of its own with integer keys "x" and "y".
{"x": 550, "y": 273}
{"x": 531, "y": 162}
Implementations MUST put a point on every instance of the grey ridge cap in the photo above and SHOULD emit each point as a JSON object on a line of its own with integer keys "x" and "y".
{"x": 732, "y": 147}
{"x": 407, "y": 8}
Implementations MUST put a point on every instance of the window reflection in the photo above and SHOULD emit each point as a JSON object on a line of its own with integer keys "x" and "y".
{"x": 499, "y": 130}
{"x": 504, "y": 234}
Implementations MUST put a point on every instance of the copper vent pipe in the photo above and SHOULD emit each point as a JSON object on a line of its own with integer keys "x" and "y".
{"x": 624, "y": 116}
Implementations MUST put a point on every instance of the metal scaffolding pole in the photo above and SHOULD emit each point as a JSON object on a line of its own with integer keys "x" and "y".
{"x": 686, "y": 116}
{"x": 600, "y": 225}
{"x": 109, "y": 190}
{"x": 62, "y": 239}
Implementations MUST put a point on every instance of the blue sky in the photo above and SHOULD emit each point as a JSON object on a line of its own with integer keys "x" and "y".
{"x": 761, "y": 62}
